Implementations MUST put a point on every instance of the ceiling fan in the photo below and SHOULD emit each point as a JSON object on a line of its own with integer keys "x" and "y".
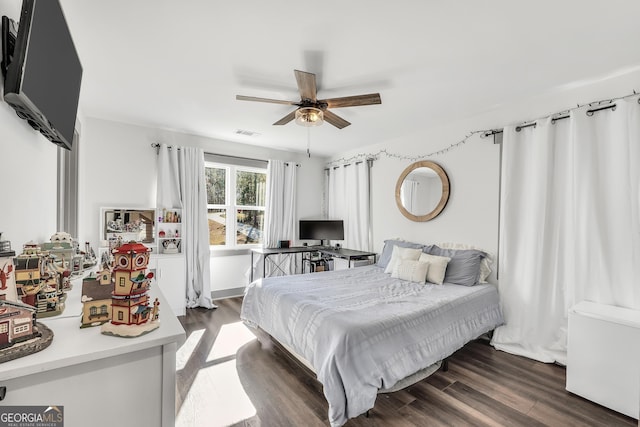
{"x": 312, "y": 111}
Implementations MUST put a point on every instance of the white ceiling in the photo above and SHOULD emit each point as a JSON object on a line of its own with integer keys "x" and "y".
{"x": 178, "y": 64}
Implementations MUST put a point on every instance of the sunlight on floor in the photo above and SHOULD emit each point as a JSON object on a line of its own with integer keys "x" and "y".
{"x": 184, "y": 353}
{"x": 231, "y": 337}
{"x": 215, "y": 399}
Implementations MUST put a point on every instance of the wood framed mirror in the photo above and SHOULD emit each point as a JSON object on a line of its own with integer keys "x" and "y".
{"x": 422, "y": 191}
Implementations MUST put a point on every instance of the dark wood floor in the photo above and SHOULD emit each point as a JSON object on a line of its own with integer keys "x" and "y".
{"x": 226, "y": 377}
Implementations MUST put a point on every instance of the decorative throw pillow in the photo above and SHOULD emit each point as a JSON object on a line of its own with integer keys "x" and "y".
{"x": 400, "y": 254}
{"x": 387, "y": 250}
{"x": 485, "y": 265}
{"x": 413, "y": 271}
{"x": 437, "y": 267}
{"x": 464, "y": 267}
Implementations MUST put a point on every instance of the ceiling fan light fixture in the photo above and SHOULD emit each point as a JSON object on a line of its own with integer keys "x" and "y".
{"x": 309, "y": 116}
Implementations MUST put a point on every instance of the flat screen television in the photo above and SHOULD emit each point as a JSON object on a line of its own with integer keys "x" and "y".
{"x": 42, "y": 72}
{"x": 321, "y": 229}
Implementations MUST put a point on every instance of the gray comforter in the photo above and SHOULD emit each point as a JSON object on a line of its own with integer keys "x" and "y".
{"x": 362, "y": 330}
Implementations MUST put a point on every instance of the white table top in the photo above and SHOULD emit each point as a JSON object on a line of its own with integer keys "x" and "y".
{"x": 72, "y": 345}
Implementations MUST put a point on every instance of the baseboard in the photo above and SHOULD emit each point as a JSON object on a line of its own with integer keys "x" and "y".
{"x": 227, "y": 293}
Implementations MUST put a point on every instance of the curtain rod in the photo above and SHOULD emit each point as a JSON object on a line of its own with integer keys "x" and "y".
{"x": 157, "y": 147}
{"x": 369, "y": 161}
{"x": 565, "y": 114}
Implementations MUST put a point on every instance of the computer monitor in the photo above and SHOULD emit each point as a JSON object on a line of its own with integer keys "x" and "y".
{"x": 321, "y": 229}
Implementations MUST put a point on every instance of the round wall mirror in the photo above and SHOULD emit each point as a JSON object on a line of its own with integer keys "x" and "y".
{"x": 422, "y": 191}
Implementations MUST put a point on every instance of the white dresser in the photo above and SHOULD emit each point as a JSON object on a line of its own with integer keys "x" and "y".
{"x": 603, "y": 356}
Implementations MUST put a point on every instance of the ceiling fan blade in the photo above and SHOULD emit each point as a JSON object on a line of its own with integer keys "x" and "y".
{"x": 335, "y": 120}
{"x": 352, "y": 101}
{"x": 271, "y": 101}
{"x": 306, "y": 85}
{"x": 286, "y": 119}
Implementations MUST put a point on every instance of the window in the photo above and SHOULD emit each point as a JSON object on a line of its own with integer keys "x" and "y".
{"x": 68, "y": 187}
{"x": 20, "y": 329}
{"x": 235, "y": 204}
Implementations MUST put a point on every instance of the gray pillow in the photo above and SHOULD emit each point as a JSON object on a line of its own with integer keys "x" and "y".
{"x": 464, "y": 267}
{"x": 385, "y": 255}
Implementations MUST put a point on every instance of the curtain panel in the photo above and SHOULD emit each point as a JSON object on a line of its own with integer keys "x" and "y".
{"x": 569, "y": 224}
{"x": 280, "y": 216}
{"x": 181, "y": 184}
{"x": 348, "y": 198}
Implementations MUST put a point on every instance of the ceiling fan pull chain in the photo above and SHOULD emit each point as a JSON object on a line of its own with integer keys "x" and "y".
{"x": 308, "y": 142}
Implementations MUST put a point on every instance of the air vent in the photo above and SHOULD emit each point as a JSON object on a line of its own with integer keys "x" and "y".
{"x": 246, "y": 132}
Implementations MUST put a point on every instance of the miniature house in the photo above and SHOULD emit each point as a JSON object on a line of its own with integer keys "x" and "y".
{"x": 38, "y": 283}
{"x": 27, "y": 276}
{"x": 96, "y": 298}
{"x": 129, "y": 301}
{"x": 17, "y": 323}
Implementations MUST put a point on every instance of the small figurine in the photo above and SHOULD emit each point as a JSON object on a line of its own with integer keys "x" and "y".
{"x": 155, "y": 313}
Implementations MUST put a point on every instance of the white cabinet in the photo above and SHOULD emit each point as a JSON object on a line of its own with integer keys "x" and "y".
{"x": 100, "y": 380}
{"x": 603, "y": 356}
{"x": 170, "y": 276}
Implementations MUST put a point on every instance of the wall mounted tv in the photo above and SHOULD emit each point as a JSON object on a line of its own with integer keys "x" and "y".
{"x": 321, "y": 229}
{"x": 42, "y": 71}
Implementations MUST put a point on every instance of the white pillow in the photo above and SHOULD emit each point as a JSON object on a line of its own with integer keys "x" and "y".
{"x": 485, "y": 265}
{"x": 399, "y": 254}
{"x": 437, "y": 267}
{"x": 413, "y": 271}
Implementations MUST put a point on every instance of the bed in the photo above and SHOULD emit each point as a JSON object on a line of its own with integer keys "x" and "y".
{"x": 362, "y": 330}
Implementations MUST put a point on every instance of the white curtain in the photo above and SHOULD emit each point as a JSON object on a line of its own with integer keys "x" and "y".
{"x": 409, "y": 195}
{"x": 569, "y": 225}
{"x": 348, "y": 188}
{"x": 181, "y": 184}
{"x": 280, "y": 215}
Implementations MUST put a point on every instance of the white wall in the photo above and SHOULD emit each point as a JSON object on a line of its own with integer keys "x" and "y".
{"x": 28, "y": 179}
{"x": 471, "y": 216}
{"x": 118, "y": 169}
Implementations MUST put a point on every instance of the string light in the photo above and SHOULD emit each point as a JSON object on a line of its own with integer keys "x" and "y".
{"x": 385, "y": 153}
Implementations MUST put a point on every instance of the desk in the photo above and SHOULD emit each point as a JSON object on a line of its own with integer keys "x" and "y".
{"x": 267, "y": 252}
{"x": 348, "y": 254}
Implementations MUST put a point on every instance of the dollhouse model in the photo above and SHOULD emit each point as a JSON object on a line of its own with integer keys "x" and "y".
{"x": 40, "y": 282}
{"x": 27, "y": 274}
{"x": 96, "y": 298}
{"x": 20, "y": 334}
{"x": 17, "y": 323}
{"x": 61, "y": 251}
{"x": 131, "y": 314}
